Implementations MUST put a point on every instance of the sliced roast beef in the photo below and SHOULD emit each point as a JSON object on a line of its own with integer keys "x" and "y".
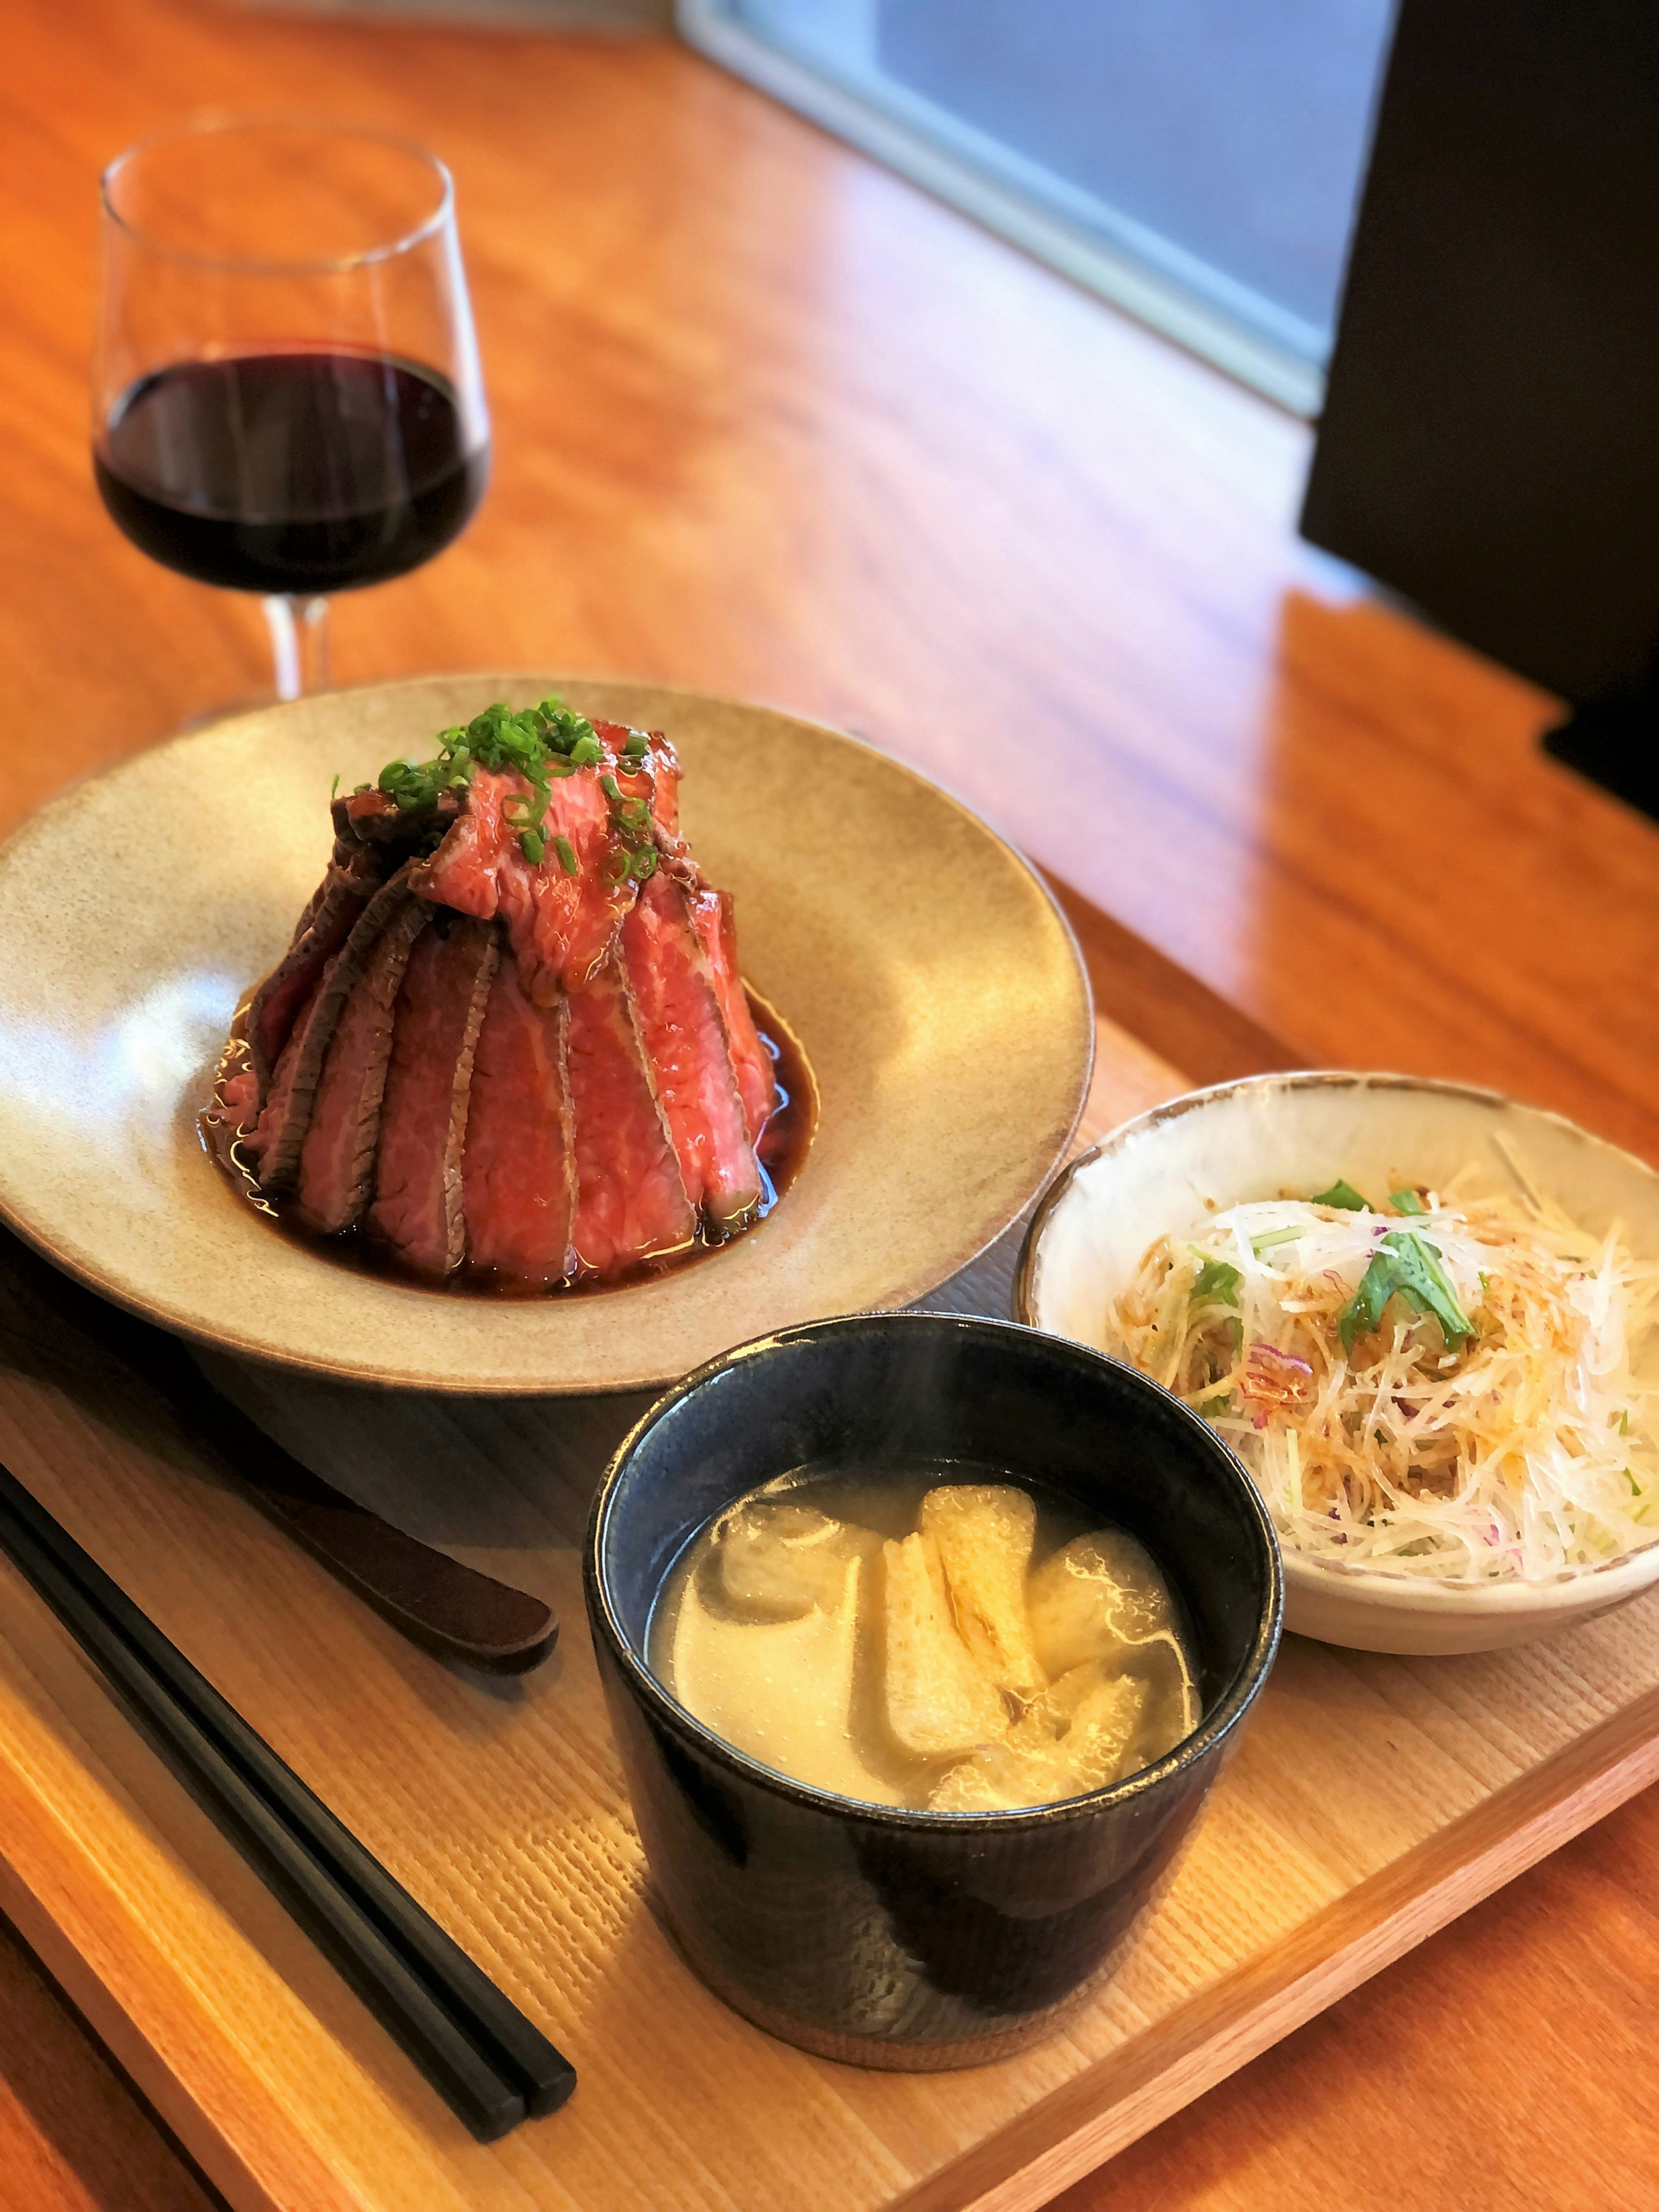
{"x": 561, "y": 910}
{"x": 631, "y": 1203}
{"x": 344, "y": 861}
{"x": 664, "y": 764}
{"x": 684, "y": 1035}
{"x": 711, "y": 911}
{"x": 274, "y": 1113}
{"x": 417, "y": 1214}
{"x": 375, "y": 818}
{"x": 560, "y": 923}
{"x": 518, "y": 1169}
{"x": 337, "y": 1160}
{"x": 354, "y": 874}
{"x": 525, "y": 1042}
{"x": 661, "y": 762}
{"x": 286, "y": 1117}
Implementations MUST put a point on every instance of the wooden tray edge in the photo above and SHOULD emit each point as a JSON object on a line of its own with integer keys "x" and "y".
{"x": 1086, "y": 2122}
{"x": 1091, "y": 2118}
{"x": 73, "y": 1911}
{"x": 52, "y": 1940}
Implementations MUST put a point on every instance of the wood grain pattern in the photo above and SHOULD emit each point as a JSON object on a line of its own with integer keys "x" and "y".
{"x": 72, "y": 2139}
{"x": 1445, "y": 2054}
{"x": 769, "y": 422}
{"x": 1373, "y": 1800}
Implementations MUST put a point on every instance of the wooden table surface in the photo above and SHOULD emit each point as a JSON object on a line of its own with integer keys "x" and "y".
{"x": 769, "y": 422}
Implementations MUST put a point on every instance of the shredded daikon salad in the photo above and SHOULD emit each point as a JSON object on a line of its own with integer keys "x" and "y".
{"x": 1417, "y": 1384}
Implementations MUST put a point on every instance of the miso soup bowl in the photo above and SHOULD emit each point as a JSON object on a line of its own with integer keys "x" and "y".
{"x": 861, "y": 1932}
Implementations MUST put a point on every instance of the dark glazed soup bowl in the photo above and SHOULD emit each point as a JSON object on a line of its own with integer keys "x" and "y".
{"x": 916, "y": 1940}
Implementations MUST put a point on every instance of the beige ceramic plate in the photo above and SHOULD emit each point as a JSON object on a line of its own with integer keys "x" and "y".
{"x": 927, "y": 972}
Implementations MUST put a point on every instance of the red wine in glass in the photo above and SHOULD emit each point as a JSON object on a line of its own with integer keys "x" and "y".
{"x": 286, "y": 398}
{"x": 302, "y": 471}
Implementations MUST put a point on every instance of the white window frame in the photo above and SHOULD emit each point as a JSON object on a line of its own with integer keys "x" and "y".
{"x": 1262, "y": 345}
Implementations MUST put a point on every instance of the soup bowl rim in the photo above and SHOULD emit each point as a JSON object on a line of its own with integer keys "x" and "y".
{"x": 1219, "y": 1721}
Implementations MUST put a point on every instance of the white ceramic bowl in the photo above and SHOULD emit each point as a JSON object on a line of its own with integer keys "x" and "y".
{"x": 1165, "y": 1172}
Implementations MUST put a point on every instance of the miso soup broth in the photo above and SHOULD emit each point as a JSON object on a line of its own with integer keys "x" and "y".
{"x": 941, "y": 1638}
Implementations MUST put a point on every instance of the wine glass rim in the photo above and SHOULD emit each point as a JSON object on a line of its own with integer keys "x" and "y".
{"x": 214, "y": 120}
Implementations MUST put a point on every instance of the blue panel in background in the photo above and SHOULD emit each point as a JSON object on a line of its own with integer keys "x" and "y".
{"x": 1237, "y": 129}
{"x": 1217, "y": 144}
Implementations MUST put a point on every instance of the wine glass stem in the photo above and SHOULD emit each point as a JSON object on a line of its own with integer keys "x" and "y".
{"x": 298, "y": 643}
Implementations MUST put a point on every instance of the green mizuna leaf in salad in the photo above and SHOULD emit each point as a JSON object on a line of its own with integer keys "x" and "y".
{"x": 1408, "y": 1267}
{"x": 1215, "y": 1282}
{"x": 1444, "y": 1384}
{"x": 1343, "y": 1196}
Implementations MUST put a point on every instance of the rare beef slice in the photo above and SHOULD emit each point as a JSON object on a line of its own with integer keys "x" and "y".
{"x": 279, "y": 1136}
{"x": 354, "y": 875}
{"x": 337, "y": 1161}
{"x": 711, "y": 911}
{"x": 519, "y": 1167}
{"x": 631, "y": 1202}
{"x": 684, "y": 1034}
{"x": 417, "y": 1213}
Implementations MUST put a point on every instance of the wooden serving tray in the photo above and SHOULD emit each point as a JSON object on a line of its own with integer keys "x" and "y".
{"x": 1372, "y": 1800}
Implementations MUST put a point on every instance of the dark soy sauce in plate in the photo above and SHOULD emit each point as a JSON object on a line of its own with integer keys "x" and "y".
{"x": 783, "y": 1146}
{"x": 303, "y": 471}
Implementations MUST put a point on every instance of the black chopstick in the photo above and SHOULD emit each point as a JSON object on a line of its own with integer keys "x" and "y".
{"x": 490, "y": 2062}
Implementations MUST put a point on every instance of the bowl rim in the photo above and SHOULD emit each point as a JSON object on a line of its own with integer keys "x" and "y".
{"x": 1212, "y": 1731}
{"x": 1561, "y": 1592}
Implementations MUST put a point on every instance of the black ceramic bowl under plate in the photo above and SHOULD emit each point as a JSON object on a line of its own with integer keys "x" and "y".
{"x": 889, "y": 1937}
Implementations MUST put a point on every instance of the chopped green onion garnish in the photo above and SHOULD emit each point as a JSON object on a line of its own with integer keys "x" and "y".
{"x": 526, "y": 743}
{"x": 1271, "y": 1237}
{"x": 540, "y": 744}
{"x": 643, "y": 864}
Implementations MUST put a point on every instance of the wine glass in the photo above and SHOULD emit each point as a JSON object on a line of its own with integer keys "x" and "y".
{"x": 285, "y": 393}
